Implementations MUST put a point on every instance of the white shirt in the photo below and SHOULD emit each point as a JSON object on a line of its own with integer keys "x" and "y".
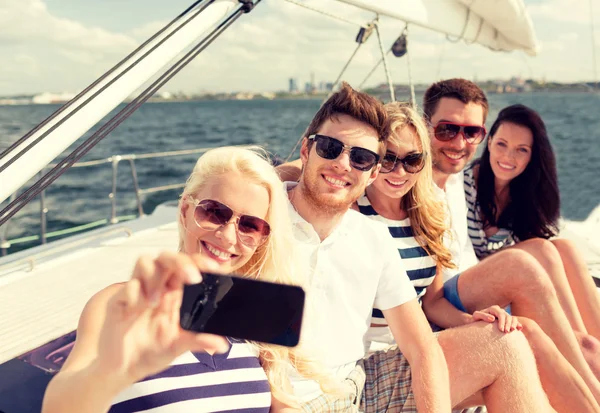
{"x": 353, "y": 270}
{"x": 459, "y": 243}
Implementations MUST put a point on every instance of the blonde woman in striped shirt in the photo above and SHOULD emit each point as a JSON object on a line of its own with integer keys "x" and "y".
{"x": 131, "y": 354}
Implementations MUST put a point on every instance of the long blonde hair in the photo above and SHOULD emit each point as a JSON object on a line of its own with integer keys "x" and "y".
{"x": 272, "y": 261}
{"x": 427, "y": 214}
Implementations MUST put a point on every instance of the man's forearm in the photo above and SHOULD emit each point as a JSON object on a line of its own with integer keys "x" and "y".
{"x": 290, "y": 171}
{"x": 430, "y": 381}
{"x": 442, "y": 313}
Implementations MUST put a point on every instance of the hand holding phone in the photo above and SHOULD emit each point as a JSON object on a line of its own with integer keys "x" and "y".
{"x": 139, "y": 336}
{"x": 243, "y": 308}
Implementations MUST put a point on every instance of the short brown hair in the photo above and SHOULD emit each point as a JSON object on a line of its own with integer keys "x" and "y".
{"x": 358, "y": 105}
{"x": 461, "y": 89}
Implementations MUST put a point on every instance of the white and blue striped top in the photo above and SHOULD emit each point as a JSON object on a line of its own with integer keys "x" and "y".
{"x": 420, "y": 267}
{"x": 201, "y": 383}
{"x": 482, "y": 244}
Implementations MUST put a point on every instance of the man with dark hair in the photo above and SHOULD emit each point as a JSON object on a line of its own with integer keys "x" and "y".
{"x": 352, "y": 265}
{"x": 456, "y": 110}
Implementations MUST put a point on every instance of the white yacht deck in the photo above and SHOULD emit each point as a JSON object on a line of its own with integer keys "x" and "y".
{"x": 39, "y": 305}
{"x": 43, "y": 290}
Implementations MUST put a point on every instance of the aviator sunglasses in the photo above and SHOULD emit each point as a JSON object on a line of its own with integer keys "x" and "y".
{"x": 446, "y": 131}
{"x": 412, "y": 163}
{"x": 211, "y": 215}
{"x": 330, "y": 148}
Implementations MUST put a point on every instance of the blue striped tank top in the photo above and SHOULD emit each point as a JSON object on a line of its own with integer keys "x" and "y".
{"x": 420, "y": 267}
{"x": 201, "y": 383}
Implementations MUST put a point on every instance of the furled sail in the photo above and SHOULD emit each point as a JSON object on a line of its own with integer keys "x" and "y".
{"x": 502, "y": 25}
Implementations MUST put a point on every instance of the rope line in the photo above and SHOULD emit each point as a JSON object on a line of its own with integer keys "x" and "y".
{"x": 464, "y": 29}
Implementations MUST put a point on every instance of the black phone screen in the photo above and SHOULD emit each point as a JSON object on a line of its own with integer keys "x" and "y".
{"x": 245, "y": 309}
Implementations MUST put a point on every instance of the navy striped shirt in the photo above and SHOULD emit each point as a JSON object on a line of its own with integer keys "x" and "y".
{"x": 420, "y": 267}
{"x": 482, "y": 244}
{"x": 201, "y": 383}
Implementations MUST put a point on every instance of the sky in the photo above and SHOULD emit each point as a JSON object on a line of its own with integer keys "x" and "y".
{"x": 63, "y": 45}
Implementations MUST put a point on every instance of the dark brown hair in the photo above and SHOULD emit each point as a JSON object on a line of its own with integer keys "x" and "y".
{"x": 534, "y": 206}
{"x": 461, "y": 89}
{"x": 358, "y": 105}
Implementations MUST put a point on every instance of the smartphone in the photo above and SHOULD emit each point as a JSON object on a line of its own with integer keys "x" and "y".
{"x": 232, "y": 306}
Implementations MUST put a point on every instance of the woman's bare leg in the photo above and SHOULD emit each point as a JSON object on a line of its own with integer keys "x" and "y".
{"x": 548, "y": 256}
{"x": 575, "y": 290}
{"x": 515, "y": 277}
{"x": 582, "y": 285}
{"x": 499, "y": 366}
{"x": 564, "y": 386}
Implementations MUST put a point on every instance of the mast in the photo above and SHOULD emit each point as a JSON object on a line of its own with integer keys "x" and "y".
{"x": 30, "y": 156}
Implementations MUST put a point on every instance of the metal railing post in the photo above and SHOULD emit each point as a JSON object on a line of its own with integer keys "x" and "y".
{"x": 43, "y": 212}
{"x": 113, "y": 194}
{"x": 4, "y": 243}
{"x": 136, "y": 186}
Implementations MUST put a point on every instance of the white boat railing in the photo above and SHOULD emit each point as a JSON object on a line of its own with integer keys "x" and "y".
{"x": 114, "y": 161}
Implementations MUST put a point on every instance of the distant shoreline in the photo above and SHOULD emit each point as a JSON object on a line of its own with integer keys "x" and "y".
{"x": 379, "y": 92}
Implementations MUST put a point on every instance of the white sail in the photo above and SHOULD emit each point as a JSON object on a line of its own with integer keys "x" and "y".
{"x": 502, "y": 25}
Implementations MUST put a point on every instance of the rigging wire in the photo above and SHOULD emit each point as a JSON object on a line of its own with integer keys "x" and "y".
{"x": 337, "y": 80}
{"x": 97, "y": 82}
{"x": 373, "y": 70}
{"x": 385, "y": 65}
{"x": 440, "y": 61}
{"x": 107, "y": 128}
{"x": 325, "y": 13}
{"x": 362, "y": 37}
{"x": 413, "y": 99}
{"x": 381, "y": 60}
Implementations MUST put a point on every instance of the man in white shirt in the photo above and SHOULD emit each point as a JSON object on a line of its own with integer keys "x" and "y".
{"x": 352, "y": 266}
{"x": 511, "y": 276}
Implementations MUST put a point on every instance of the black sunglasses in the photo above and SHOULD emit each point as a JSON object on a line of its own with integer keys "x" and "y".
{"x": 446, "y": 131}
{"x": 330, "y": 148}
{"x": 211, "y": 215}
{"x": 412, "y": 163}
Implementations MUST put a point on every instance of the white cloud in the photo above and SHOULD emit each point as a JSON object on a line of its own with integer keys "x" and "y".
{"x": 61, "y": 53}
{"x": 568, "y": 37}
{"x": 26, "y": 21}
{"x": 147, "y": 30}
{"x": 562, "y": 11}
{"x": 276, "y": 41}
{"x": 552, "y": 46}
